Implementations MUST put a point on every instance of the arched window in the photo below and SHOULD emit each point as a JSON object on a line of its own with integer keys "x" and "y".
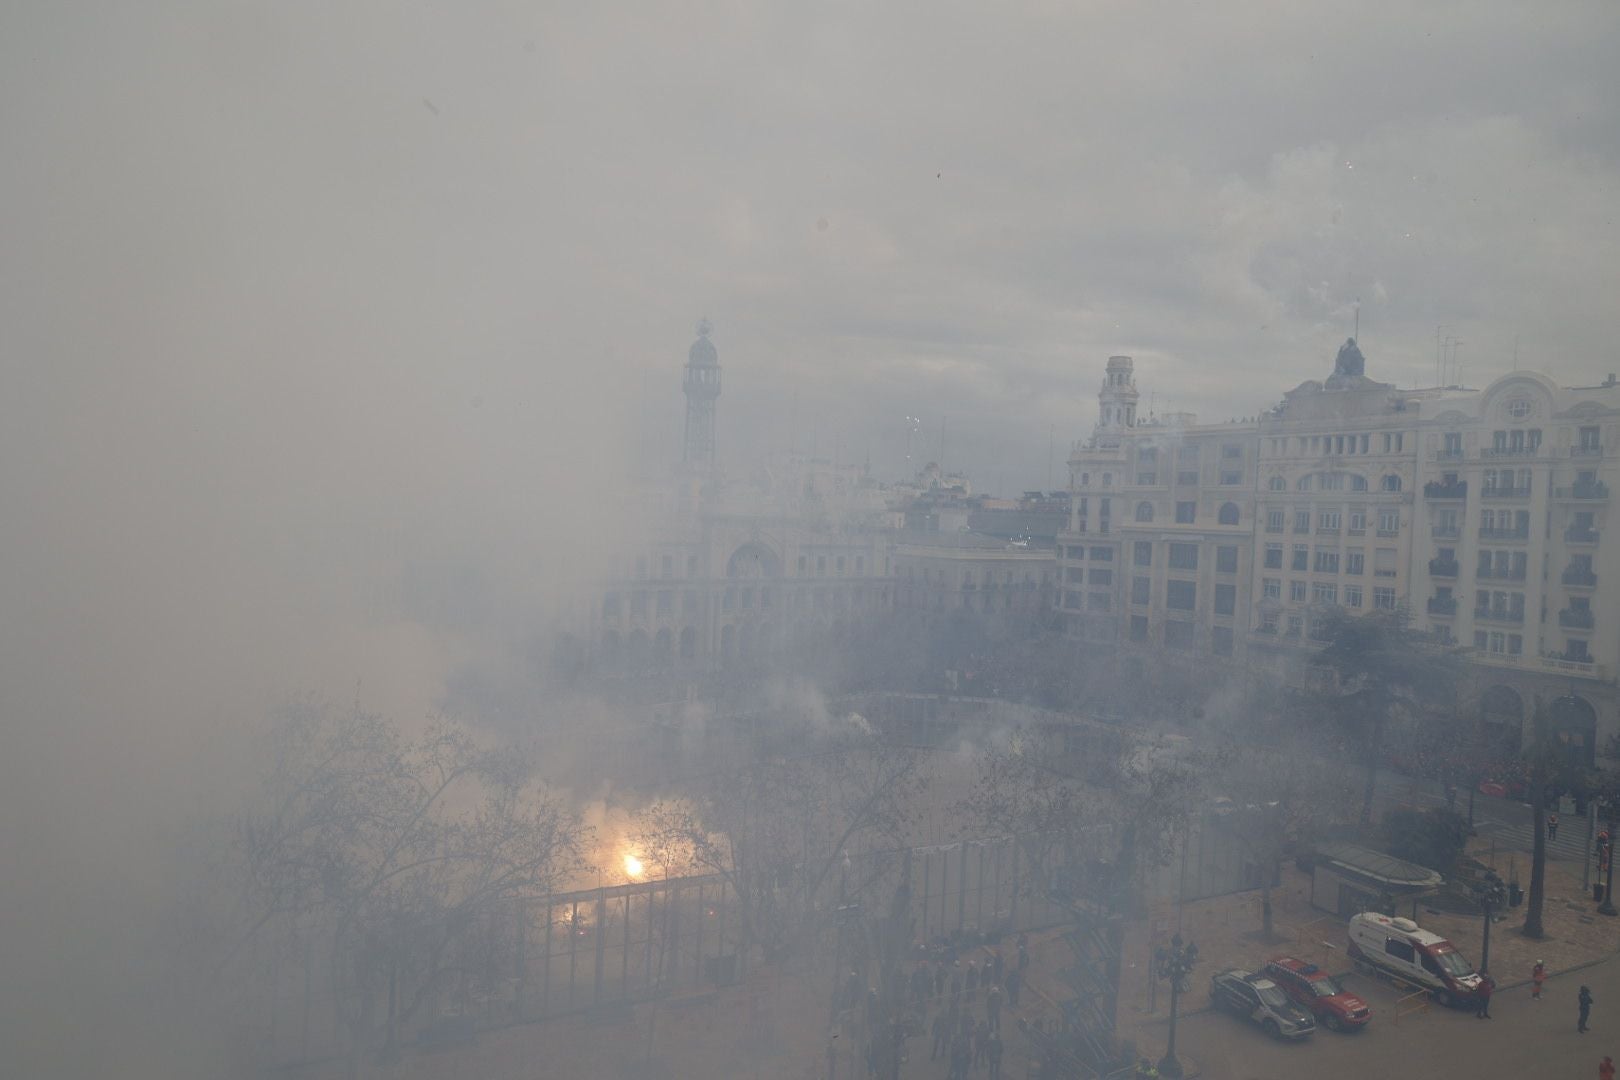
{"x": 1144, "y": 511}
{"x": 1304, "y": 483}
{"x": 1391, "y": 483}
{"x": 1358, "y": 483}
{"x": 1229, "y": 514}
{"x": 1278, "y": 483}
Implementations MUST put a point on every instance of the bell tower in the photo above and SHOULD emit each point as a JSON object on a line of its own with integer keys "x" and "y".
{"x": 702, "y": 387}
{"x": 1116, "y": 403}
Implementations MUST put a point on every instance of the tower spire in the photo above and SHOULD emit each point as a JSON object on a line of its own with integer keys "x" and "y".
{"x": 702, "y": 388}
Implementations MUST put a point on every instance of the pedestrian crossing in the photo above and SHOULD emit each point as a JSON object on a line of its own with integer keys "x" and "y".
{"x": 1569, "y": 845}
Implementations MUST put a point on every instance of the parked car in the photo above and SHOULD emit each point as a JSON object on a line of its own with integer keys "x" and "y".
{"x": 1262, "y": 1002}
{"x": 1319, "y": 993}
{"x": 1401, "y": 948}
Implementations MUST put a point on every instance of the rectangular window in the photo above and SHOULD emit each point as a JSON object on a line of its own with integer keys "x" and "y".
{"x": 1102, "y": 554}
{"x": 1296, "y": 591}
{"x": 1099, "y": 601}
{"x": 1352, "y": 596}
{"x": 1231, "y": 477}
{"x": 1327, "y": 521}
{"x": 666, "y": 603}
{"x": 1296, "y": 625}
{"x": 1226, "y": 559}
{"x": 1180, "y": 595}
{"x": 1324, "y": 593}
{"x": 1232, "y": 451}
{"x": 1353, "y": 562}
{"x": 1187, "y": 478}
{"x": 1221, "y": 641}
{"x": 1183, "y": 556}
{"x": 1327, "y": 562}
{"x": 1302, "y": 521}
{"x": 1589, "y": 443}
{"x": 1178, "y": 635}
{"x": 666, "y": 566}
{"x": 1138, "y": 627}
{"x": 1384, "y": 562}
{"x": 1185, "y": 512}
{"x": 1074, "y": 575}
{"x": 1147, "y": 478}
{"x": 1274, "y": 521}
{"x": 1333, "y": 481}
{"x": 1453, "y": 444}
{"x": 1384, "y": 598}
{"x": 1225, "y": 599}
{"x": 1358, "y": 521}
{"x": 1143, "y": 553}
{"x": 1274, "y": 556}
{"x": 840, "y": 569}
{"x": 1101, "y": 577}
{"x": 1141, "y": 590}
{"x": 1389, "y": 522}
{"x": 1273, "y": 588}
{"x": 1302, "y": 558}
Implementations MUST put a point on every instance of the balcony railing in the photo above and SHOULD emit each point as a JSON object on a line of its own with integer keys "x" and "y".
{"x": 1487, "y": 573}
{"x": 1580, "y": 536}
{"x": 1449, "y": 455}
{"x": 1443, "y": 568}
{"x": 1446, "y": 532}
{"x": 1588, "y": 489}
{"x": 1439, "y": 489}
{"x": 1504, "y": 534}
{"x": 1576, "y": 618}
{"x": 1586, "y": 451}
{"x": 1510, "y": 451}
{"x": 1498, "y": 614}
{"x": 1504, "y": 493}
{"x": 1582, "y": 579}
{"x": 1442, "y": 605}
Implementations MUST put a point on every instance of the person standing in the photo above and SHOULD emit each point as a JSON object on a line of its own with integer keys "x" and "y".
{"x": 996, "y": 1049}
{"x": 1585, "y": 1001}
{"x": 1538, "y": 975}
{"x": 992, "y": 1004}
{"x": 1483, "y": 996}
{"x": 998, "y": 967}
{"x": 1552, "y": 827}
{"x": 942, "y": 1034}
{"x": 1014, "y": 981}
{"x": 1606, "y": 1068}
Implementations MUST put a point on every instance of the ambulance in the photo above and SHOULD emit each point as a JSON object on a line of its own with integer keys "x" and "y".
{"x": 1401, "y": 948}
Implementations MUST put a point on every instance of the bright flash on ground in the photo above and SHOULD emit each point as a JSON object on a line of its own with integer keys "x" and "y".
{"x": 632, "y": 866}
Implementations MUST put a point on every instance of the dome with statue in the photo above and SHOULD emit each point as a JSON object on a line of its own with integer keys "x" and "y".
{"x": 702, "y": 353}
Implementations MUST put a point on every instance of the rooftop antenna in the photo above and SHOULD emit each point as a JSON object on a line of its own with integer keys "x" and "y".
{"x": 1515, "y": 352}
{"x": 1357, "y": 334}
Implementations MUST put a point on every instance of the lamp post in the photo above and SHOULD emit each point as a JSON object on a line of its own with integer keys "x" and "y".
{"x": 1491, "y": 895}
{"x": 1174, "y": 963}
{"x": 1607, "y": 907}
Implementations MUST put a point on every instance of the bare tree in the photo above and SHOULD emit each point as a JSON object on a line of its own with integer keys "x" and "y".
{"x": 1088, "y": 794}
{"x": 397, "y": 852}
{"x": 1278, "y": 794}
{"x": 776, "y": 817}
{"x": 1383, "y": 669}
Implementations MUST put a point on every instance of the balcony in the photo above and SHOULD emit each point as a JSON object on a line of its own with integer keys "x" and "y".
{"x": 1439, "y": 489}
{"x": 1500, "y": 614}
{"x": 1446, "y": 532}
{"x": 1487, "y": 573}
{"x": 1510, "y": 451}
{"x": 1449, "y": 455}
{"x": 1442, "y": 605}
{"x": 1443, "y": 568}
{"x": 1573, "y": 535}
{"x": 1504, "y": 493}
{"x": 1586, "y": 451}
{"x": 1576, "y": 618}
{"x": 1577, "y": 578}
{"x": 1584, "y": 489}
{"x": 1504, "y": 534}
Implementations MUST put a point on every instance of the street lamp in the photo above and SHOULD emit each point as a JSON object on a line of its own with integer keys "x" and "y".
{"x": 1491, "y": 895}
{"x": 1174, "y": 964}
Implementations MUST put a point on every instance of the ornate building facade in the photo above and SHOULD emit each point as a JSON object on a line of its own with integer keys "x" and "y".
{"x": 1481, "y": 513}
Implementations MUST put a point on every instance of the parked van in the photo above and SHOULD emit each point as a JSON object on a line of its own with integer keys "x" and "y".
{"x": 1401, "y": 948}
